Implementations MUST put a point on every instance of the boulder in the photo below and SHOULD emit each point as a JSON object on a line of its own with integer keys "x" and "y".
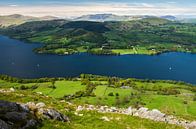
{"x": 13, "y": 115}
{"x": 143, "y": 112}
{"x": 62, "y": 101}
{"x": 16, "y": 116}
{"x": 77, "y": 114}
{"x": 192, "y": 125}
{"x": 32, "y": 123}
{"x": 25, "y": 107}
{"x": 9, "y": 107}
{"x": 80, "y": 108}
{"x": 105, "y": 118}
{"x": 12, "y": 89}
{"x": 40, "y": 105}
{"x": 134, "y": 112}
{"x": 40, "y": 111}
{"x": 4, "y": 125}
{"x": 129, "y": 111}
{"x": 53, "y": 114}
{"x": 114, "y": 109}
{"x": 31, "y": 106}
{"x": 90, "y": 107}
{"x": 47, "y": 113}
{"x": 102, "y": 109}
{"x": 24, "y": 116}
{"x": 155, "y": 115}
{"x": 40, "y": 93}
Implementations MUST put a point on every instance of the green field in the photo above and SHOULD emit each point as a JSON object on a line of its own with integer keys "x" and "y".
{"x": 169, "y": 97}
{"x": 135, "y": 50}
{"x": 62, "y": 88}
{"x": 172, "y": 98}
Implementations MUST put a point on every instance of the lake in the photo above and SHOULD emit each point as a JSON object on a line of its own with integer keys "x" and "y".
{"x": 17, "y": 59}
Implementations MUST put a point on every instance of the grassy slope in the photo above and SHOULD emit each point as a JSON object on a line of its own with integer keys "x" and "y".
{"x": 169, "y": 104}
{"x": 181, "y": 105}
{"x": 89, "y": 120}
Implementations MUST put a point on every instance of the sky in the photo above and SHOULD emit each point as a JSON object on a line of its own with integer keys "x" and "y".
{"x": 75, "y": 8}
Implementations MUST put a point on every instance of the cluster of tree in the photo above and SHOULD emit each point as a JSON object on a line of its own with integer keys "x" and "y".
{"x": 23, "y": 87}
{"x": 102, "y": 52}
{"x": 121, "y": 83}
{"x": 92, "y": 77}
{"x": 168, "y": 91}
{"x": 193, "y": 88}
{"x": 52, "y": 86}
{"x": 39, "y": 80}
{"x": 112, "y": 94}
{"x": 51, "y": 49}
{"x": 134, "y": 99}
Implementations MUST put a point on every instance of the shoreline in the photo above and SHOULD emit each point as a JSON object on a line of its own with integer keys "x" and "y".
{"x": 78, "y": 53}
{"x": 47, "y": 79}
{"x": 111, "y": 51}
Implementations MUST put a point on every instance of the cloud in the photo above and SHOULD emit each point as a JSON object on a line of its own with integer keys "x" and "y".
{"x": 13, "y": 5}
{"x": 171, "y": 2}
{"x": 92, "y": 8}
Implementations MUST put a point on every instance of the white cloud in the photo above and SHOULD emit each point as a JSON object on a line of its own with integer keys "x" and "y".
{"x": 115, "y": 8}
{"x": 13, "y": 5}
{"x": 171, "y": 2}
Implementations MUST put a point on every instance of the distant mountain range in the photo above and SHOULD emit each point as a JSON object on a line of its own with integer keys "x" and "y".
{"x": 17, "y": 19}
{"x": 103, "y": 17}
{"x": 112, "y": 17}
{"x": 169, "y": 17}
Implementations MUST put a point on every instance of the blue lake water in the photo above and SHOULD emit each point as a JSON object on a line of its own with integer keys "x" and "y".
{"x": 17, "y": 59}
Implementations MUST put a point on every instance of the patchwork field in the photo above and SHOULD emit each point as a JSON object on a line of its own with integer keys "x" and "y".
{"x": 173, "y": 98}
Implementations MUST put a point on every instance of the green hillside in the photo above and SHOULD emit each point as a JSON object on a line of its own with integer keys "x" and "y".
{"x": 65, "y": 94}
{"x": 145, "y": 36}
{"x": 98, "y": 90}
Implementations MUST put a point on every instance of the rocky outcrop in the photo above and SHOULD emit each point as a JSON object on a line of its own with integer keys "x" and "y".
{"x": 4, "y": 125}
{"x": 41, "y": 110}
{"x": 13, "y": 116}
{"x": 24, "y": 116}
{"x": 53, "y": 114}
{"x": 7, "y": 90}
{"x": 142, "y": 112}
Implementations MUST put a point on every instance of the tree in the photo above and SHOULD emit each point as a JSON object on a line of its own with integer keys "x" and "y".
{"x": 172, "y": 28}
{"x": 53, "y": 85}
{"x": 111, "y": 94}
{"x": 117, "y": 94}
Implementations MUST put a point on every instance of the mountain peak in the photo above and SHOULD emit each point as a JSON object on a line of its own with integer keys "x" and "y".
{"x": 169, "y": 17}
{"x": 15, "y": 16}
